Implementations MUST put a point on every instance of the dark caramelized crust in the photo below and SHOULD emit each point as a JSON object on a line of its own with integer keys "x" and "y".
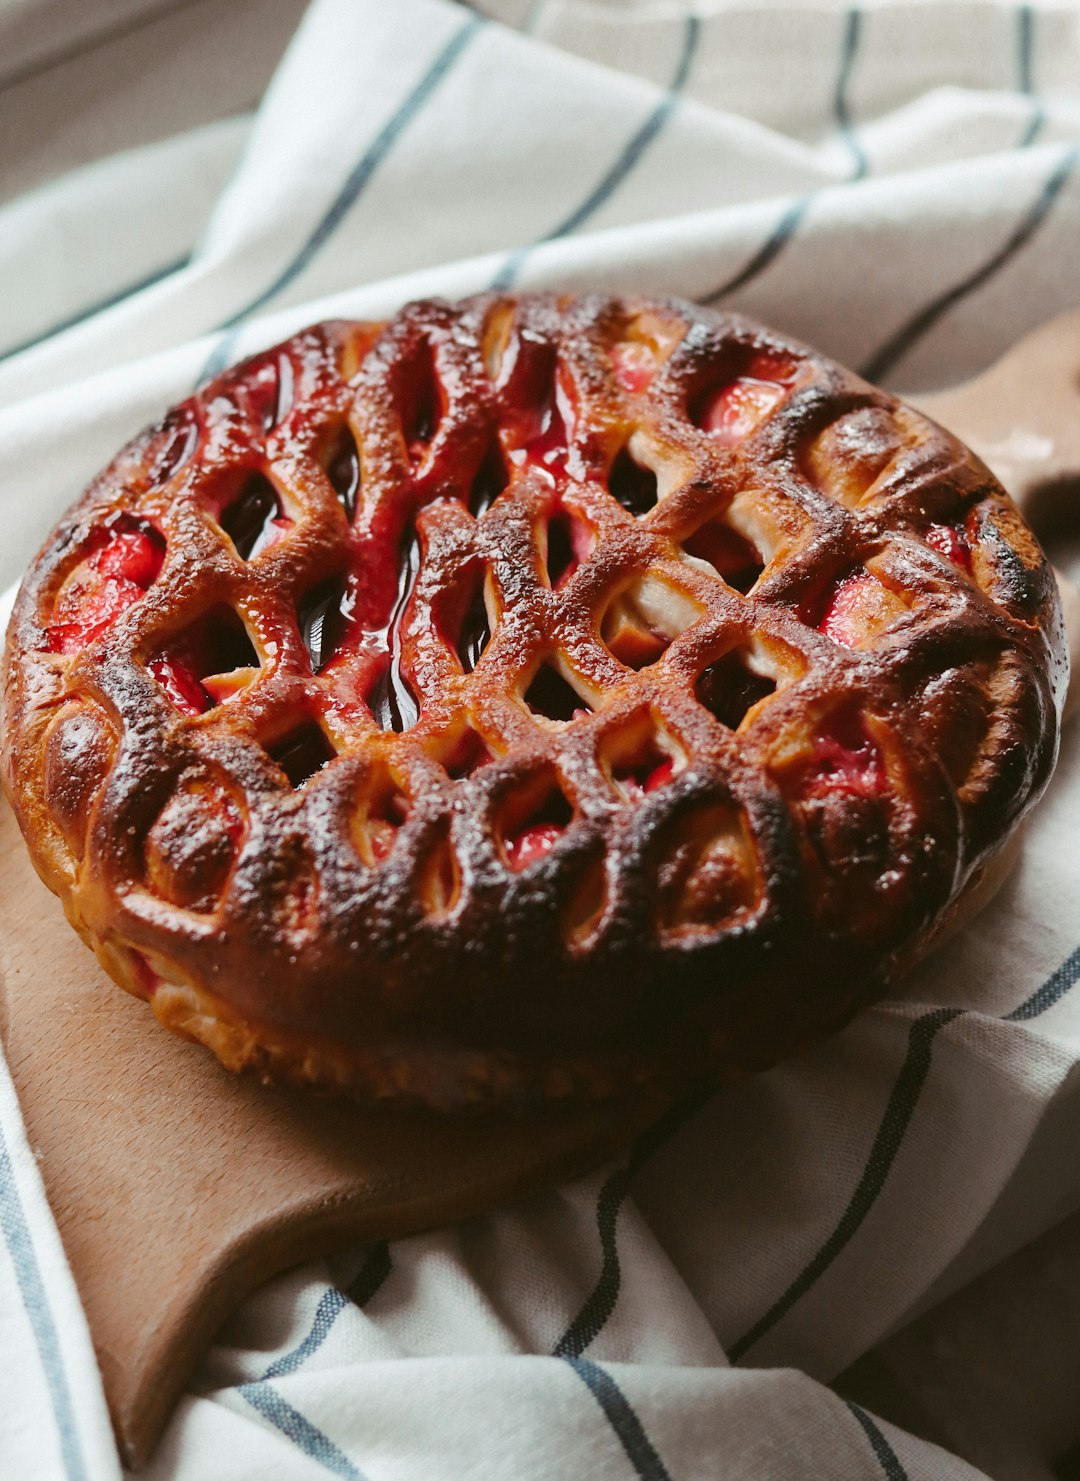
{"x": 530, "y": 697}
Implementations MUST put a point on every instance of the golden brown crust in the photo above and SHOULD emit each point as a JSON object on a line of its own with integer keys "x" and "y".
{"x": 532, "y": 696}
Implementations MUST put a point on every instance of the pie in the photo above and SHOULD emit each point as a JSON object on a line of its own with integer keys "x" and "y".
{"x": 527, "y": 699}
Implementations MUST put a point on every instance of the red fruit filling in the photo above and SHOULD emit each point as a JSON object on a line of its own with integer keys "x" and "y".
{"x": 383, "y": 821}
{"x": 844, "y": 759}
{"x": 531, "y": 844}
{"x": 180, "y": 684}
{"x": 634, "y": 365}
{"x": 569, "y": 542}
{"x": 842, "y": 619}
{"x": 381, "y": 839}
{"x": 952, "y": 542}
{"x": 539, "y": 403}
{"x": 538, "y": 832}
{"x": 734, "y": 558}
{"x": 254, "y": 520}
{"x": 546, "y": 448}
{"x": 645, "y": 776}
{"x": 265, "y": 393}
{"x": 208, "y": 664}
{"x": 734, "y": 411}
{"x": 123, "y": 563}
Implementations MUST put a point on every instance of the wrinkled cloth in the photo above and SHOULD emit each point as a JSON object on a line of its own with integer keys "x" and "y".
{"x": 900, "y": 186}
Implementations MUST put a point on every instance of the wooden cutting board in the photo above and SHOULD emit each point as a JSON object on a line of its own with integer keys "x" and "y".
{"x": 178, "y": 1188}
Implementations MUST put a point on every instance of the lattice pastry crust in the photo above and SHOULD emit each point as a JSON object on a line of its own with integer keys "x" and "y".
{"x": 533, "y": 697}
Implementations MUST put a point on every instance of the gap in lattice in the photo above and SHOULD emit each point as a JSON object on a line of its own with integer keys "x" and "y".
{"x": 587, "y": 904}
{"x": 632, "y": 483}
{"x": 533, "y": 822}
{"x": 550, "y": 696}
{"x": 377, "y": 822}
{"x": 730, "y": 687}
{"x": 320, "y": 616}
{"x": 342, "y": 468}
{"x": 440, "y": 877}
{"x": 730, "y": 554}
{"x": 421, "y": 401}
{"x": 461, "y": 615}
{"x": 490, "y": 479}
{"x": 302, "y": 752}
{"x": 254, "y": 518}
{"x": 569, "y": 541}
{"x": 644, "y": 618}
{"x": 208, "y": 662}
{"x": 468, "y": 754}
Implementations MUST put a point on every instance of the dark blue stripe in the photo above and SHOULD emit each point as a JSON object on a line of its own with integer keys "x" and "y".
{"x": 894, "y": 1123}
{"x": 782, "y": 233}
{"x": 366, "y": 166}
{"x": 372, "y": 1273}
{"x": 306, "y": 1436}
{"x": 36, "y": 1301}
{"x": 906, "y": 337}
{"x": 326, "y": 1314}
{"x": 269, "y": 1402}
{"x": 793, "y": 214}
{"x": 354, "y": 186}
{"x": 622, "y": 167}
{"x": 1054, "y": 988}
{"x": 600, "y": 1302}
{"x": 887, "y": 1456}
{"x": 1025, "y": 38}
{"x": 852, "y": 26}
{"x": 98, "y": 307}
{"x": 898, "y": 1113}
{"x": 617, "y": 1411}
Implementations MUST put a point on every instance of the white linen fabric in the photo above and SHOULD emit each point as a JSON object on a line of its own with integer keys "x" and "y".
{"x": 899, "y": 184}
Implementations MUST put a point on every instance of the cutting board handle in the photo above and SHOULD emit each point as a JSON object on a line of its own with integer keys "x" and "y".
{"x": 1022, "y": 417}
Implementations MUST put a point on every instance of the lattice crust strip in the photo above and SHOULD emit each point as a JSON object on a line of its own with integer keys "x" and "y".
{"x": 529, "y": 696}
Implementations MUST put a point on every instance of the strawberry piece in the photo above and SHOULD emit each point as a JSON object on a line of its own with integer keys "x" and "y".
{"x": 131, "y": 555}
{"x": 734, "y": 412}
{"x": 97, "y": 604}
{"x": 845, "y": 759}
{"x": 952, "y": 542}
{"x": 634, "y": 365}
{"x": 116, "y": 573}
{"x": 842, "y": 620}
{"x": 532, "y": 843}
{"x": 546, "y": 448}
{"x": 181, "y": 685}
{"x": 533, "y": 391}
{"x": 647, "y": 777}
{"x": 661, "y": 774}
{"x": 381, "y": 835}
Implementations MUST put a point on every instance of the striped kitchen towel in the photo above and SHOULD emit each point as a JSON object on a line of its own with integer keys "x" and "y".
{"x": 898, "y": 183}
